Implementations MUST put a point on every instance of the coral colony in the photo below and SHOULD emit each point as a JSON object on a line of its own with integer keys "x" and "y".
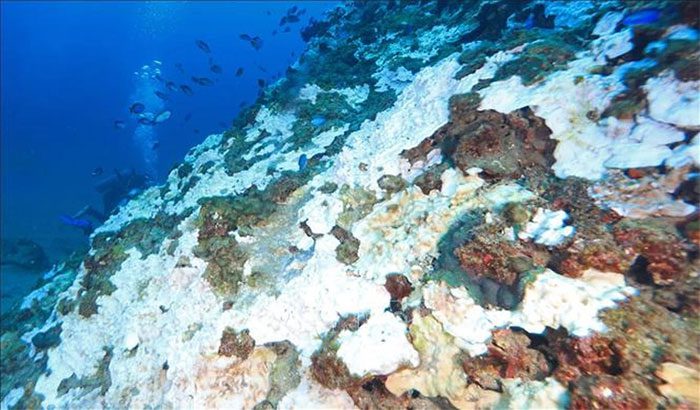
{"x": 455, "y": 204}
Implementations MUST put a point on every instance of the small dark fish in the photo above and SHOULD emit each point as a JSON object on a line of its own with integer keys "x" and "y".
{"x": 137, "y": 108}
{"x": 283, "y": 21}
{"x": 292, "y": 10}
{"x": 261, "y": 82}
{"x": 287, "y": 29}
{"x": 186, "y": 89}
{"x": 83, "y": 224}
{"x": 204, "y": 81}
{"x": 292, "y": 19}
{"x": 293, "y": 54}
{"x": 256, "y": 42}
{"x": 97, "y": 172}
{"x": 215, "y": 68}
{"x": 119, "y": 124}
{"x": 268, "y": 12}
{"x": 245, "y": 37}
{"x": 643, "y": 16}
{"x": 159, "y": 78}
{"x": 301, "y": 12}
{"x": 188, "y": 116}
{"x": 203, "y": 46}
{"x": 161, "y": 95}
{"x": 171, "y": 86}
{"x": 274, "y": 32}
{"x": 239, "y": 72}
{"x": 179, "y": 67}
{"x": 222, "y": 124}
{"x": 155, "y": 145}
{"x": 196, "y": 131}
{"x": 242, "y": 104}
{"x": 303, "y": 160}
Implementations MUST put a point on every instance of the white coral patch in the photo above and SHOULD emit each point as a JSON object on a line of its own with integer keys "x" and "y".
{"x": 547, "y": 228}
{"x": 379, "y": 346}
{"x": 551, "y": 300}
{"x": 673, "y": 101}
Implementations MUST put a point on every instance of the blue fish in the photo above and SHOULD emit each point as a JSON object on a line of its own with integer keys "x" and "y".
{"x": 83, "y": 224}
{"x": 530, "y": 22}
{"x": 303, "y": 159}
{"x": 643, "y": 16}
{"x": 318, "y": 120}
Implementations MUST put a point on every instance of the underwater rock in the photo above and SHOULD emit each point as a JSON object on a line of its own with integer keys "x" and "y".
{"x": 25, "y": 254}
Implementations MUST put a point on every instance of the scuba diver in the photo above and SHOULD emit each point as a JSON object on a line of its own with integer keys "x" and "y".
{"x": 115, "y": 191}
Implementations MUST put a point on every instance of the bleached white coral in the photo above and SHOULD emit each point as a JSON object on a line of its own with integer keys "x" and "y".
{"x": 550, "y": 300}
{"x": 547, "y": 228}
{"x": 379, "y": 346}
{"x": 673, "y": 101}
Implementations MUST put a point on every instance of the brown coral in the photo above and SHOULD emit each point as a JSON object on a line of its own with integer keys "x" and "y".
{"x": 509, "y": 356}
{"x": 657, "y": 242}
{"x": 239, "y": 344}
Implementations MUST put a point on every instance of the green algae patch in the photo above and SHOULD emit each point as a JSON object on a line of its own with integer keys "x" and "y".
{"x": 101, "y": 379}
{"x": 349, "y": 246}
{"x": 284, "y": 374}
{"x": 537, "y": 61}
{"x": 357, "y": 203}
{"x": 218, "y": 219}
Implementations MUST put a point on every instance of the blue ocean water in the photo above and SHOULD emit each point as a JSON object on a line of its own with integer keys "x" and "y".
{"x": 69, "y": 71}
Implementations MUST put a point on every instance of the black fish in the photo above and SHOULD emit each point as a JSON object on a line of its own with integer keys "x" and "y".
{"x": 242, "y": 104}
{"x": 155, "y": 145}
{"x": 292, "y": 19}
{"x": 186, "y": 89}
{"x": 171, "y": 86}
{"x": 179, "y": 67}
{"x": 292, "y": 10}
{"x": 137, "y": 108}
{"x": 161, "y": 95}
{"x": 215, "y": 68}
{"x": 119, "y": 124}
{"x": 287, "y": 29}
{"x": 203, "y": 46}
{"x": 196, "y": 131}
{"x": 261, "y": 82}
{"x": 239, "y": 72}
{"x": 274, "y": 32}
{"x": 283, "y": 20}
{"x": 97, "y": 172}
{"x": 202, "y": 81}
{"x": 256, "y": 42}
{"x": 268, "y": 12}
{"x": 188, "y": 116}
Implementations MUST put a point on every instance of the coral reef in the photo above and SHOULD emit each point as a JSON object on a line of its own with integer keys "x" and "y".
{"x": 495, "y": 207}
